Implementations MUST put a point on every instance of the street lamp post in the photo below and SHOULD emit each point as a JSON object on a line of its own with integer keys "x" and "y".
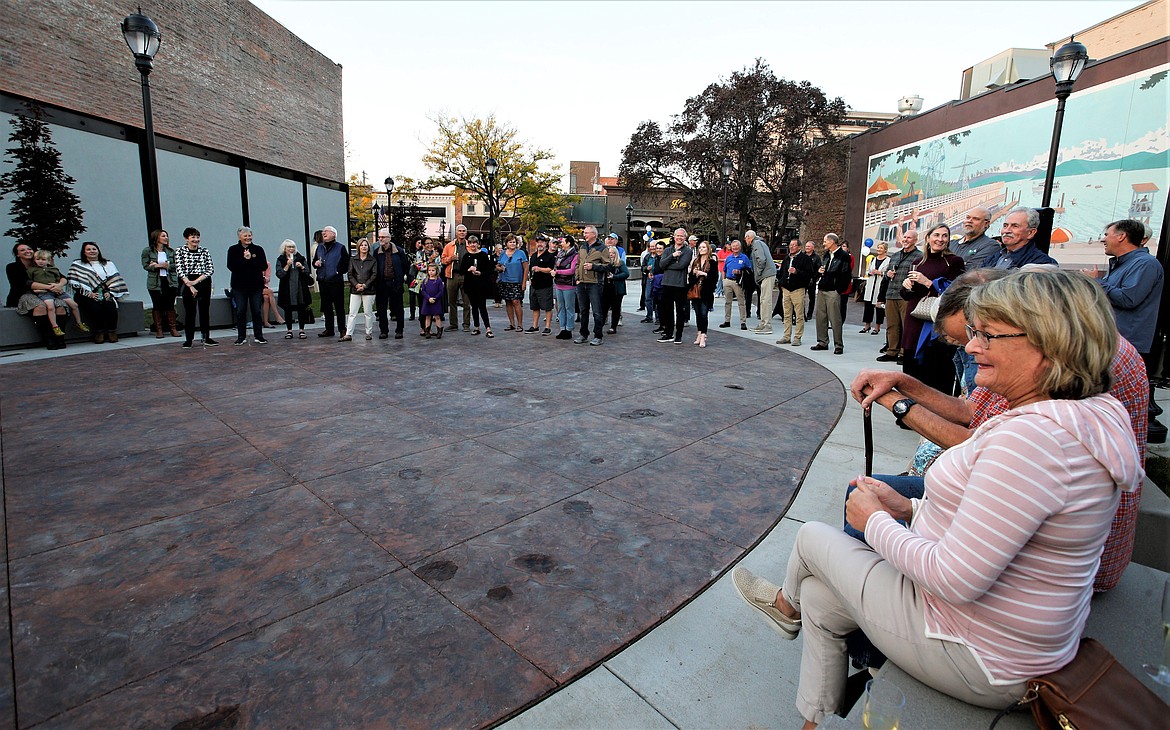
{"x": 144, "y": 38}
{"x": 492, "y": 167}
{"x": 389, "y": 182}
{"x": 1067, "y": 64}
{"x": 629, "y": 215}
{"x": 377, "y": 220}
{"x": 442, "y": 230}
{"x": 725, "y": 170}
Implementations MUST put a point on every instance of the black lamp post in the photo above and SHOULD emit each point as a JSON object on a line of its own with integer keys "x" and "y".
{"x": 492, "y": 167}
{"x": 389, "y": 183}
{"x": 1067, "y": 64}
{"x": 629, "y": 215}
{"x": 442, "y": 230}
{"x": 725, "y": 170}
{"x": 378, "y": 220}
{"x": 144, "y": 38}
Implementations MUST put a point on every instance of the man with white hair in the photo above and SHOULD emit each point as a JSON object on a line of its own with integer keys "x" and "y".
{"x": 247, "y": 263}
{"x": 764, "y": 269}
{"x": 1019, "y": 228}
{"x": 331, "y": 260}
{"x": 394, "y": 270}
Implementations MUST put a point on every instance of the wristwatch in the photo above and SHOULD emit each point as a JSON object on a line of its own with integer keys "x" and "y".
{"x": 901, "y": 408}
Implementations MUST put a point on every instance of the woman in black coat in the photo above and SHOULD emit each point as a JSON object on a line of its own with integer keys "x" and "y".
{"x": 295, "y": 279}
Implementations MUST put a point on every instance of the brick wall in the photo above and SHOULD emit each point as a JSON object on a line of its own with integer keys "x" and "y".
{"x": 227, "y": 76}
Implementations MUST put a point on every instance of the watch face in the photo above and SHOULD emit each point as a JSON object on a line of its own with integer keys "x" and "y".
{"x": 902, "y": 407}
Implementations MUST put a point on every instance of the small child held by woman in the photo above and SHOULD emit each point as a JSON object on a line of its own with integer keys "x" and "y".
{"x": 44, "y": 272}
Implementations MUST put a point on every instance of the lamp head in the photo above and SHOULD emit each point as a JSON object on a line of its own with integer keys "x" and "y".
{"x": 389, "y": 185}
{"x": 1068, "y": 62}
{"x": 727, "y": 167}
{"x": 143, "y": 38}
{"x": 492, "y": 167}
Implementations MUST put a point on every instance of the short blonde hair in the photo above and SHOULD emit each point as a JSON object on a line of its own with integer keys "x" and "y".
{"x": 1066, "y": 317}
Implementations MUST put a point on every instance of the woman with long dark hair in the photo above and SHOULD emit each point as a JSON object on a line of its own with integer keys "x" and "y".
{"x": 930, "y": 275}
{"x": 157, "y": 260}
{"x": 98, "y": 286}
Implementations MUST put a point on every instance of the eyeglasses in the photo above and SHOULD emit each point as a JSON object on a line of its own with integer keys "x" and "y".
{"x": 985, "y": 338}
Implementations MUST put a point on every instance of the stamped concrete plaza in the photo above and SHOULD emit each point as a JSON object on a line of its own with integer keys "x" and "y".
{"x": 395, "y": 534}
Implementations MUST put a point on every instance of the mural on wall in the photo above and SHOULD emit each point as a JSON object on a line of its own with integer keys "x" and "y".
{"x": 1114, "y": 162}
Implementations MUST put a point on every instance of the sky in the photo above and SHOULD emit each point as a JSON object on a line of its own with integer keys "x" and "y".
{"x": 576, "y": 78}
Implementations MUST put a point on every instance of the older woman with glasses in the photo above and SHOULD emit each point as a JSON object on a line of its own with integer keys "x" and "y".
{"x": 989, "y": 585}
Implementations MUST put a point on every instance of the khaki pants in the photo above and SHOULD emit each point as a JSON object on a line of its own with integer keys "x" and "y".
{"x": 456, "y": 294}
{"x": 829, "y": 312}
{"x": 793, "y": 309}
{"x": 767, "y": 289}
{"x": 895, "y": 314}
{"x": 840, "y": 584}
{"x": 733, "y": 291}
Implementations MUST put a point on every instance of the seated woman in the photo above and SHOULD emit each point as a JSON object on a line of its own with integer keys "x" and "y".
{"x": 990, "y": 584}
{"x": 25, "y": 296}
{"x": 98, "y": 286}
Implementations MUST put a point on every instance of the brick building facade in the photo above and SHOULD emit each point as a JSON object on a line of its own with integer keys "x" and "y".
{"x": 227, "y": 76}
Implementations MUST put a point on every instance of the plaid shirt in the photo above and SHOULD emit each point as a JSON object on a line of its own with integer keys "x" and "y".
{"x": 190, "y": 265}
{"x": 1132, "y": 388}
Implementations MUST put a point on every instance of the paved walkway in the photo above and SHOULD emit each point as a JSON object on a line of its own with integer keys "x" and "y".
{"x": 292, "y": 555}
{"x": 385, "y": 533}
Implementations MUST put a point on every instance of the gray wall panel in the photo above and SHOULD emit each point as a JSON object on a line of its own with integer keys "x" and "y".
{"x": 276, "y": 211}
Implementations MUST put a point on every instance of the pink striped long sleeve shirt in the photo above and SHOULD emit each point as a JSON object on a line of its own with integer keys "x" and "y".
{"x": 1009, "y": 536}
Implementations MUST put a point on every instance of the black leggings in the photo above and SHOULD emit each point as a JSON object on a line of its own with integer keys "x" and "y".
{"x": 163, "y": 301}
{"x": 870, "y": 311}
{"x": 479, "y": 309}
{"x": 302, "y": 316}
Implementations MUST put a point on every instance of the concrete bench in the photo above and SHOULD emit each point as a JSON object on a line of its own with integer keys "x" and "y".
{"x": 220, "y": 313}
{"x": 1127, "y": 620}
{"x": 1152, "y": 544}
{"x": 19, "y": 331}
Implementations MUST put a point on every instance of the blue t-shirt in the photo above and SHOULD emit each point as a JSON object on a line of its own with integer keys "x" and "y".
{"x": 733, "y": 264}
{"x": 513, "y": 266}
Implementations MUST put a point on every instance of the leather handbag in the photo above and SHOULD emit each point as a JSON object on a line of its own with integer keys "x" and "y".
{"x": 1092, "y": 691}
{"x": 926, "y": 308}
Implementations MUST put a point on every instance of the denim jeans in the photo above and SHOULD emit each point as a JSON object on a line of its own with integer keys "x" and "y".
{"x": 243, "y": 301}
{"x": 567, "y": 308}
{"x": 912, "y": 487}
{"x": 589, "y": 297}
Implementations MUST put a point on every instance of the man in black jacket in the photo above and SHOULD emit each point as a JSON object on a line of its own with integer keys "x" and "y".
{"x": 835, "y": 279}
{"x": 795, "y": 273}
{"x": 393, "y": 269}
{"x": 331, "y": 260}
{"x": 247, "y": 263}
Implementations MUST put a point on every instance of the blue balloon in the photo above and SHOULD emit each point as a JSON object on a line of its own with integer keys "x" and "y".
{"x": 869, "y": 242}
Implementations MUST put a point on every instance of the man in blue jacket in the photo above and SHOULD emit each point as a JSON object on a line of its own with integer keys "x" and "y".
{"x": 1019, "y": 227}
{"x": 331, "y": 259}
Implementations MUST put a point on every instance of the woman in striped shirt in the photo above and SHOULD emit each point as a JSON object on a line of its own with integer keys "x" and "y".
{"x": 990, "y": 583}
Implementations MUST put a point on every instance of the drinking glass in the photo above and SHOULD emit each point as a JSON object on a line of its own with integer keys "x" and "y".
{"x": 1160, "y": 673}
{"x": 884, "y": 702}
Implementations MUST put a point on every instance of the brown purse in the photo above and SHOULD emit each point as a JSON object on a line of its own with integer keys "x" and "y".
{"x": 1092, "y": 691}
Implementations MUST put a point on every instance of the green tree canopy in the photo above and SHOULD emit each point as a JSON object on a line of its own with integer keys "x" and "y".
{"x": 769, "y": 127}
{"x": 458, "y": 155}
{"x": 47, "y": 212}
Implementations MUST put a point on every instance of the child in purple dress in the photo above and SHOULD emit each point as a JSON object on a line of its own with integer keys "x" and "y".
{"x": 431, "y": 294}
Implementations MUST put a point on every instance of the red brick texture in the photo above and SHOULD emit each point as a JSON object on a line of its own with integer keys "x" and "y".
{"x": 227, "y": 76}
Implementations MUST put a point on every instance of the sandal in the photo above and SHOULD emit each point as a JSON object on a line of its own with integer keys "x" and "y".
{"x": 475, "y": 331}
{"x": 288, "y": 336}
{"x": 303, "y": 336}
{"x": 509, "y": 328}
{"x": 489, "y": 334}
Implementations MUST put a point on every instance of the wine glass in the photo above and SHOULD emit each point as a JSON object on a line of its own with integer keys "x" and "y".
{"x": 1160, "y": 673}
{"x": 884, "y": 702}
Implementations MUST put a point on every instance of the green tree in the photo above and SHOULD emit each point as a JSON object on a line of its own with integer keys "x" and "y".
{"x": 458, "y": 155}
{"x": 771, "y": 129}
{"x": 47, "y": 212}
{"x": 361, "y": 208}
